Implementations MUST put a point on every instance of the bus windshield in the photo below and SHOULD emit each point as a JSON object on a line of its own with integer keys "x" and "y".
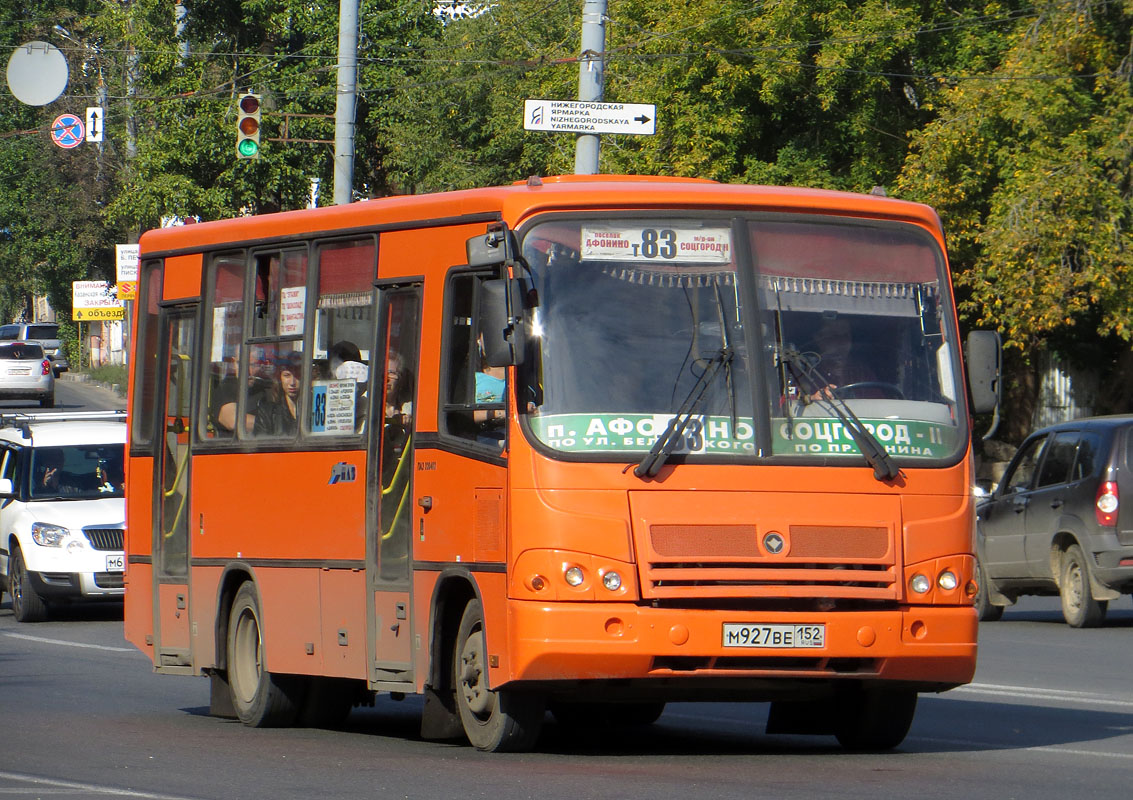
{"x": 775, "y": 349}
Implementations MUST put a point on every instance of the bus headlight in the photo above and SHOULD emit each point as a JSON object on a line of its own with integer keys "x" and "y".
{"x": 574, "y": 576}
{"x": 947, "y": 580}
{"x": 48, "y": 535}
{"x": 611, "y": 580}
{"x": 920, "y": 583}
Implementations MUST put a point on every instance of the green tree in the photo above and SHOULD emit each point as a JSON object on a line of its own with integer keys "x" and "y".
{"x": 51, "y": 200}
{"x": 1029, "y": 166}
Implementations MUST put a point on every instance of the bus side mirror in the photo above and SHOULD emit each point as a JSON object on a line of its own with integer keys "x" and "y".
{"x": 984, "y": 356}
{"x": 501, "y": 322}
{"x": 491, "y": 249}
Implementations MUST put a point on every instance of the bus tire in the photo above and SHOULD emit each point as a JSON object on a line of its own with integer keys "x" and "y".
{"x": 259, "y": 698}
{"x": 874, "y": 719}
{"x": 1079, "y": 608}
{"x": 494, "y": 721}
{"x": 27, "y": 606}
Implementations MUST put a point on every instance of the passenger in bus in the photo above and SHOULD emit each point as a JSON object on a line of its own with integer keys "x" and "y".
{"x": 278, "y": 411}
{"x": 399, "y": 389}
{"x": 228, "y": 390}
{"x": 344, "y": 362}
{"x": 491, "y": 385}
{"x": 398, "y": 416}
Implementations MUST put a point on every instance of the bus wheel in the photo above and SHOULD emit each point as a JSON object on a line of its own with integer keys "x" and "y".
{"x": 27, "y": 606}
{"x": 1079, "y": 608}
{"x": 494, "y": 721}
{"x": 260, "y": 699}
{"x": 874, "y": 719}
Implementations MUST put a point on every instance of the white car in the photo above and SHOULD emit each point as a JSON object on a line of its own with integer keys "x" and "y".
{"x": 26, "y": 371}
{"x": 62, "y": 509}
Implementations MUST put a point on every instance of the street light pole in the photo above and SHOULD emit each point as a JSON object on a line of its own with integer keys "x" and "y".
{"x": 591, "y": 80}
{"x": 345, "y": 101}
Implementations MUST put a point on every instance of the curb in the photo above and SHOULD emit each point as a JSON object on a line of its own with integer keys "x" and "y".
{"x": 82, "y": 377}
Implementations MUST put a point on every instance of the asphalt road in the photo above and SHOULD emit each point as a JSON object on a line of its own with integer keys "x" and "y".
{"x": 1050, "y": 715}
{"x": 72, "y": 394}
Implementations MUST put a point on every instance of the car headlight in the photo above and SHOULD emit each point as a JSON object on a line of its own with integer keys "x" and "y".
{"x": 48, "y": 535}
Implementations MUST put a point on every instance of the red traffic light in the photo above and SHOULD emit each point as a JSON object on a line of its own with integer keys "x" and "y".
{"x": 249, "y": 104}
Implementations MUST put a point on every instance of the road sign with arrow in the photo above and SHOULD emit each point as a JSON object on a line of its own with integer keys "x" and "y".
{"x": 94, "y": 124}
{"x": 576, "y": 116}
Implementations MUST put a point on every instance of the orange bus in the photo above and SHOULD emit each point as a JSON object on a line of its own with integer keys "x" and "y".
{"x": 581, "y": 445}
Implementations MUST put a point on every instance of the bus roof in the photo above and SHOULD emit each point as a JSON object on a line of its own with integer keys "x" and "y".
{"x": 518, "y": 201}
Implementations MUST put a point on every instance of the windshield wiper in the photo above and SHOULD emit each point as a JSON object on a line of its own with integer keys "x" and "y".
{"x": 816, "y": 386}
{"x": 674, "y": 431}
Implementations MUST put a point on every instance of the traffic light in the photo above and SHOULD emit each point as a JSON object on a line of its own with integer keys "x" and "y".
{"x": 248, "y": 126}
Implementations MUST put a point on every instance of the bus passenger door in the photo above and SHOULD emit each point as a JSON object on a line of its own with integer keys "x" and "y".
{"x": 392, "y": 427}
{"x": 171, "y": 487}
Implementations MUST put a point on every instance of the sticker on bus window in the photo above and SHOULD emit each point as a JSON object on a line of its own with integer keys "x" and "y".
{"x": 292, "y": 310}
{"x": 636, "y": 433}
{"x": 677, "y": 245}
{"x": 332, "y": 407}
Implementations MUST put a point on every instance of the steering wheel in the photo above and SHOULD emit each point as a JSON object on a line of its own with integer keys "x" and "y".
{"x": 862, "y": 390}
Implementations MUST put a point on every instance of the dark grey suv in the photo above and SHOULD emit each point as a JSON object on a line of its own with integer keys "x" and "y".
{"x": 1055, "y": 524}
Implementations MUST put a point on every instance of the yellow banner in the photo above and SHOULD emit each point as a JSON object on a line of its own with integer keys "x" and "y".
{"x": 127, "y": 290}
{"x": 97, "y": 314}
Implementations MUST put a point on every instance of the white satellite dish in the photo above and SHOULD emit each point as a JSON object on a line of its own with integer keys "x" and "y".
{"x": 37, "y": 73}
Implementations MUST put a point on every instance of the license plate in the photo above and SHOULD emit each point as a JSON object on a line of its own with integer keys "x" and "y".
{"x": 116, "y": 563}
{"x": 737, "y": 634}
{"x": 19, "y": 370}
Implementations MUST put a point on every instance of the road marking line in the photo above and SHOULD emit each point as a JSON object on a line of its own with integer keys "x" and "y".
{"x": 117, "y": 791}
{"x": 1063, "y": 695}
{"x": 999, "y": 747}
{"x": 42, "y": 640}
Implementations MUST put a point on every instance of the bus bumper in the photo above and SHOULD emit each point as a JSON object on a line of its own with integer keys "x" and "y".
{"x": 930, "y": 648}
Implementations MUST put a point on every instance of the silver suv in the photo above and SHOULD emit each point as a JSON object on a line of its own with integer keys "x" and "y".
{"x": 45, "y": 334}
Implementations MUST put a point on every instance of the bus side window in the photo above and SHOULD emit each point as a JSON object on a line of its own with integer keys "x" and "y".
{"x": 475, "y": 400}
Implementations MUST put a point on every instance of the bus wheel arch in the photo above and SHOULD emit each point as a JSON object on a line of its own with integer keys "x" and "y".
{"x": 440, "y": 718}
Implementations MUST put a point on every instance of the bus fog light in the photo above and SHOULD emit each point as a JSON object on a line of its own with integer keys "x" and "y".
{"x": 612, "y": 581}
{"x": 574, "y": 576}
{"x": 537, "y": 583}
{"x": 920, "y": 584}
{"x": 947, "y": 581}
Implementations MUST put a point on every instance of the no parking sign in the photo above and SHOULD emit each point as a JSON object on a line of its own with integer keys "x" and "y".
{"x": 67, "y": 131}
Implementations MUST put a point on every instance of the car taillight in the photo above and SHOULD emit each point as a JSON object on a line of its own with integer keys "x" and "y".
{"x": 1105, "y": 506}
{"x": 45, "y": 367}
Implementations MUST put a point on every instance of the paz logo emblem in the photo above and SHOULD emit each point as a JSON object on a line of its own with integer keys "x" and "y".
{"x": 773, "y": 543}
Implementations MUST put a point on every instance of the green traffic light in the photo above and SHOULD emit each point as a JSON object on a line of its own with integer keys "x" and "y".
{"x": 248, "y": 148}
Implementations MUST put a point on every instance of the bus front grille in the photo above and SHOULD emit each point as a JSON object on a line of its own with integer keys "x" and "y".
{"x": 720, "y": 561}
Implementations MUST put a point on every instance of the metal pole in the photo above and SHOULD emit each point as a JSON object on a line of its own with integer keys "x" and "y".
{"x": 344, "y": 107}
{"x": 591, "y": 78}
